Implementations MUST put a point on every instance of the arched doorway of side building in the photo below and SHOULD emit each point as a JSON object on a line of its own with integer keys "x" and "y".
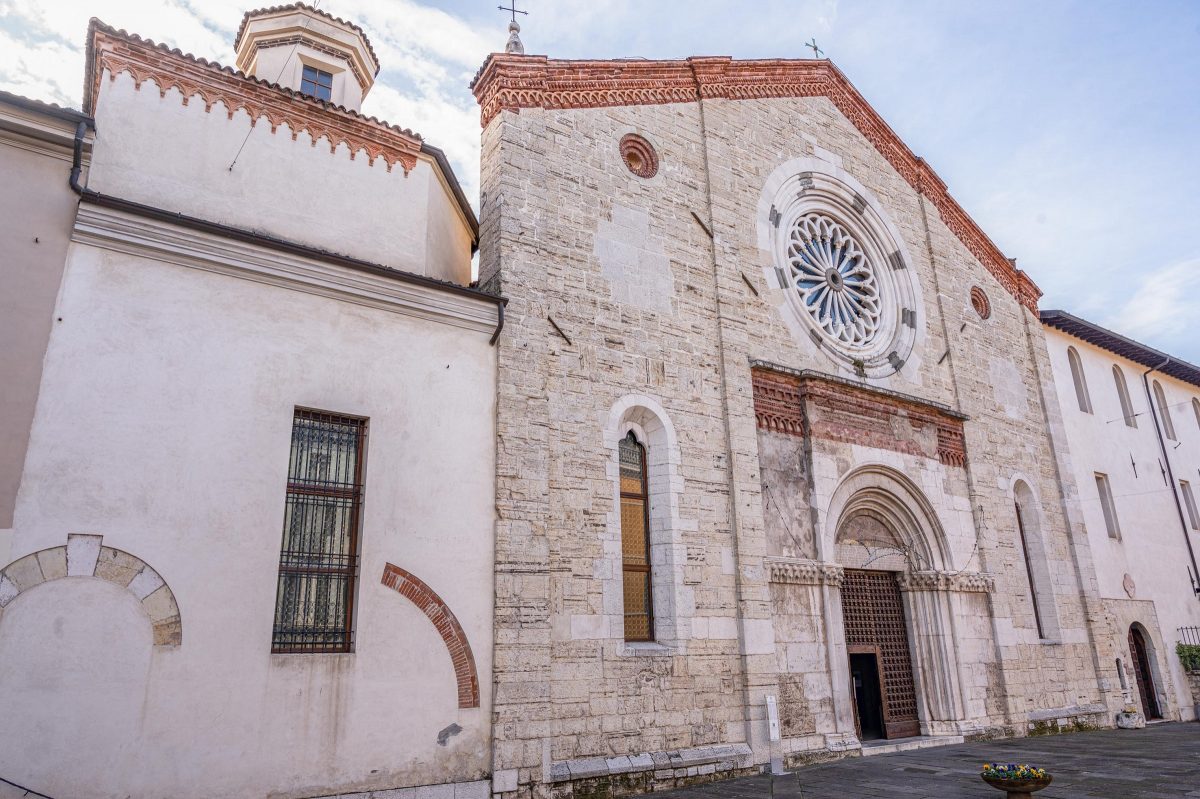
{"x": 1140, "y": 654}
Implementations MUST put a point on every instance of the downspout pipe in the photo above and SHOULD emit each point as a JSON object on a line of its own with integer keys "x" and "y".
{"x": 1162, "y": 445}
{"x": 77, "y": 158}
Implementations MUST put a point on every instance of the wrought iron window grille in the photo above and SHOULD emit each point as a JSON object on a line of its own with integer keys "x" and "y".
{"x": 318, "y": 561}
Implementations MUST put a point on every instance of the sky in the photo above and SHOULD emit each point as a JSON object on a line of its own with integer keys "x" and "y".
{"x": 1070, "y": 131}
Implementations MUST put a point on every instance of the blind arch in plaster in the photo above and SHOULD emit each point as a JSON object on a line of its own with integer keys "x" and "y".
{"x": 1164, "y": 412}
{"x": 1123, "y": 396}
{"x": 1080, "y": 381}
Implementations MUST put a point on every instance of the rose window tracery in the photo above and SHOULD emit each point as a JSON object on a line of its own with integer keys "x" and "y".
{"x": 835, "y": 280}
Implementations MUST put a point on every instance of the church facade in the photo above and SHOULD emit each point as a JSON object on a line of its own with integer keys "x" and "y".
{"x": 746, "y": 449}
{"x": 731, "y": 282}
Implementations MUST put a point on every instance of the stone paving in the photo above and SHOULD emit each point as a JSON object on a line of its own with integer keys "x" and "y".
{"x": 1159, "y": 762}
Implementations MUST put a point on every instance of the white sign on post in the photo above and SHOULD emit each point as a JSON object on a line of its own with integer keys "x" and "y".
{"x": 772, "y": 718}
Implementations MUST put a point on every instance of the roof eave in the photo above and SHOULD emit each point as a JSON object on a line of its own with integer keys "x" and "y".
{"x": 1122, "y": 346}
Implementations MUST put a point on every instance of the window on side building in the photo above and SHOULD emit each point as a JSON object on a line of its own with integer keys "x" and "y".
{"x": 1123, "y": 395}
{"x": 1106, "y": 504}
{"x": 318, "y": 561}
{"x": 317, "y": 83}
{"x": 1164, "y": 411}
{"x": 1196, "y": 410}
{"x": 1190, "y": 502}
{"x": 1081, "y": 391}
{"x": 635, "y": 541}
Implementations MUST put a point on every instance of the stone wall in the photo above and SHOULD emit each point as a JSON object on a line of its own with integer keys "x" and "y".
{"x": 616, "y": 290}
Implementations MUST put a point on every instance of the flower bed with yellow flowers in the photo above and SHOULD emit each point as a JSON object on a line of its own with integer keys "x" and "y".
{"x": 1017, "y": 773}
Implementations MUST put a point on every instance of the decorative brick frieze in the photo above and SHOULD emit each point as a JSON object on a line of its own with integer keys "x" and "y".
{"x": 804, "y": 572}
{"x": 86, "y": 556}
{"x": 114, "y": 51}
{"x": 777, "y": 402}
{"x": 973, "y": 582}
{"x": 416, "y": 591}
{"x": 512, "y": 82}
{"x": 840, "y": 410}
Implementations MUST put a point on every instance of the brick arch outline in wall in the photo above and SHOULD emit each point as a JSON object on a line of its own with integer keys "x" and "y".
{"x": 86, "y": 556}
{"x": 409, "y": 585}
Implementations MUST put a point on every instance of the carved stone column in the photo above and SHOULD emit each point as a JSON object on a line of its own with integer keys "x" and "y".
{"x": 933, "y": 614}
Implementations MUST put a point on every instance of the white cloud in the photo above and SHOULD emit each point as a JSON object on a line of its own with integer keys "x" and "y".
{"x": 1093, "y": 196}
{"x": 1164, "y": 305}
{"x": 427, "y": 57}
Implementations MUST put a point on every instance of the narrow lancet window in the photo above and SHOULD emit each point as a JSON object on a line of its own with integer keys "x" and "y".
{"x": 1164, "y": 411}
{"x": 635, "y": 541}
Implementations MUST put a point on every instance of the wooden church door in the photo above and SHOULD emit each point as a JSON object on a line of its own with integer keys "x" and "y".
{"x": 873, "y": 616}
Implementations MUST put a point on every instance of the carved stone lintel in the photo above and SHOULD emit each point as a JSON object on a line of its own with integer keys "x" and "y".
{"x": 804, "y": 572}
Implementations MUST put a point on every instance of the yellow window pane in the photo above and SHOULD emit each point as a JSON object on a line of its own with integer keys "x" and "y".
{"x": 633, "y": 530}
{"x": 637, "y": 605}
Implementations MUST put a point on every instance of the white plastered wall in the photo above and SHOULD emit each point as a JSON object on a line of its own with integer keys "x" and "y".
{"x": 164, "y": 424}
{"x": 1151, "y": 548}
{"x": 155, "y": 150}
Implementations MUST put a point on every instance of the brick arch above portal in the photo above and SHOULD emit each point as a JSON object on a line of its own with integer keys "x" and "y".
{"x": 86, "y": 556}
{"x": 415, "y": 590}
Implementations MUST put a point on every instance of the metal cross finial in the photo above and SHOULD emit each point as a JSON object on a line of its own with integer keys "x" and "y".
{"x": 513, "y": 9}
{"x": 817, "y": 51}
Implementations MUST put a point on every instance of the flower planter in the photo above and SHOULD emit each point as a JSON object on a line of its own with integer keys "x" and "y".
{"x": 1017, "y": 789}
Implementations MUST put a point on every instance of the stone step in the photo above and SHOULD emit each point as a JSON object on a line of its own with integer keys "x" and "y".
{"x": 872, "y": 748}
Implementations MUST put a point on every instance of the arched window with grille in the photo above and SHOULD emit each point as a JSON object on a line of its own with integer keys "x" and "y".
{"x": 1196, "y": 410}
{"x": 1164, "y": 411}
{"x": 635, "y": 541}
{"x": 1123, "y": 395}
{"x": 1081, "y": 391}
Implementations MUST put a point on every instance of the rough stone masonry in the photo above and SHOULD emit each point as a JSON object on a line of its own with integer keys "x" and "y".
{"x": 778, "y": 459}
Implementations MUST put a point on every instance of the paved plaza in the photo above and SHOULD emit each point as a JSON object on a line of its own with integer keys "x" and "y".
{"x": 1159, "y": 762}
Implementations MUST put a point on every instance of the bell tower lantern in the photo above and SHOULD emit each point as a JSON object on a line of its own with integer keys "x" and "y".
{"x": 308, "y": 51}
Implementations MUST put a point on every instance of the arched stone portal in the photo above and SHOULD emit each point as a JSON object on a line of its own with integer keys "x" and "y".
{"x": 898, "y": 603}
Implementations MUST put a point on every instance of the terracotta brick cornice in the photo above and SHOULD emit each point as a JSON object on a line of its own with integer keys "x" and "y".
{"x": 512, "y": 82}
{"x": 833, "y": 409}
{"x": 116, "y": 51}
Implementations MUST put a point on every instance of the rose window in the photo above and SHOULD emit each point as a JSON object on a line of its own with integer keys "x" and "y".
{"x": 835, "y": 280}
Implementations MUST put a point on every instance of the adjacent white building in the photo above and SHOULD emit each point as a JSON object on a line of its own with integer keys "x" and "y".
{"x": 251, "y": 537}
{"x": 1132, "y": 420}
